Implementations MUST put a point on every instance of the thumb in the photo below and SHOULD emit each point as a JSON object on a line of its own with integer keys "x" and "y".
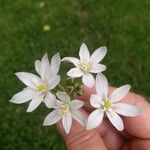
{"x": 80, "y": 138}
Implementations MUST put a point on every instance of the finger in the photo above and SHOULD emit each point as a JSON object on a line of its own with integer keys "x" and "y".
{"x": 80, "y": 138}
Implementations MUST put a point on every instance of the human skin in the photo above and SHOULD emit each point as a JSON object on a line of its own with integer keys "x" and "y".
{"x": 135, "y": 136}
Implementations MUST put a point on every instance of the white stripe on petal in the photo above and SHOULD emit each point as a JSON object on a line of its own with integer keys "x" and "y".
{"x": 98, "y": 55}
{"x": 63, "y": 96}
{"x": 67, "y": 122}
{"x": 88, "y": 80}
{"x": 97, "y": 68}
{"x": 50, "y": 100}
{"x": 73, "y": 60}
{"x": 84, "y": 53}
{"x": 45, "y": 68}
{"x": 115, "y": 119}
{"x": 78, "y": 116}
{"x": 55, "y": 64}
{"x": 29, "y": 79}
{"x": 52, "y": 118}
{"x": 127, "y": 109}
{"x": 76, "y": 104}
{"x": 95, "y": 119}
{"x": 75, "y": 73}
{"x": 119, "y": 93}
{"x": 35, "y": 103}
{"x": 53, "y": 82}
{"x": 101, "y": 85}
{"x": 23, "y": 96}
{"x": 38, "y": 67}
{"x": 96, "y": 100}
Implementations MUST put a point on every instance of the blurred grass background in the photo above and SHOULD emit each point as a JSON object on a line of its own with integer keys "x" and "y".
{"x": 123, "y": 26}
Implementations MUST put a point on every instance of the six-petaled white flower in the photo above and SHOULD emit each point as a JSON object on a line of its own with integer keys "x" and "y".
{"x": 65, "y": 110}
{"x": 110, "y": 105}
{"x": 87, "y": 65}
{"x": 38, "y": 88}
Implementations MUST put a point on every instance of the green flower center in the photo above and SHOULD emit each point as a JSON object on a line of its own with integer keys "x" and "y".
{"x": 63, "y": 109}
{"x": 85, "y": 67}
{"x": 41, "y": 88}
{"x": 107, "y": 104}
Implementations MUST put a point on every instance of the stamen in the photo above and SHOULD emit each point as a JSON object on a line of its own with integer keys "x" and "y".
{"x": 85, "y": 67}
{"x": 63, "y": 109}
{"x": 107, "y": 105}
{"x": 41, "y": 88}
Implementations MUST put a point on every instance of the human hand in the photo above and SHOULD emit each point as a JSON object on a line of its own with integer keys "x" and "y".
{"x": 136, "y": 135}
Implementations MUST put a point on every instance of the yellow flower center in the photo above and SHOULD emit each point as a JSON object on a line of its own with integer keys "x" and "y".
{"x": 63, "y": 109}
{"x": 85, "y": 67}
{"x": 41, "y": 88}
{"x": 107, "y": 105}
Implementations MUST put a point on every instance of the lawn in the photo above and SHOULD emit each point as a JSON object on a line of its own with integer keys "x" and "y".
{"x": 123, "y": 26}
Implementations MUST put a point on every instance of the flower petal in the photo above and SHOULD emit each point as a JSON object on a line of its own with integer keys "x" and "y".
{"x": 52, "y": 118}
{"x": 29, "y": 79}
{"x": 45, "y": 68}
{"x": 63, "y": 96}
{"x": 115, "y": 119}
{"x": 78, "y": 116}
{"x": 84, "y": 53}
{"x": 50, "y": 100}
{"x": 23, "y": 96}
{"x": 119, "y": 93}
{"x": 88, "y": 80}
{"x": 73, "y": 60}
{"x": 96, "y": 100}
{"x": 75, "y": 73}
{"x": 55, "y": 64}
{"x": 35, "y": 103}
{"x": 53, "y": 82}
{"x": 101, "y": 85}
{"x": 98, "y": 55}
{"x": 127, "y": 109}
{"x": 97, "y": 68}
{"x": 76, "y": 104}
{"x": 95, "y": 119}
{"x": 38, "y": 67}
{"x": 67, "y": 122}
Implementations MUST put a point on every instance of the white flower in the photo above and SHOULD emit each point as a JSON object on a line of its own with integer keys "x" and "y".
{"x": 110, "y": 105}
{"x": 38, "y": 88}
{"x": 65, "y": 109}
{"x": 87, "y": 65}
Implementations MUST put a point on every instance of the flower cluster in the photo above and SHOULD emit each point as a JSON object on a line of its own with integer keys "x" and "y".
{"x": 46, "y": 88}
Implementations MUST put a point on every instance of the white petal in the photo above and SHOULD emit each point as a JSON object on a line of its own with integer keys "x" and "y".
{"x": 119, "y": 93}
{"x": 88, "y": 80}
{"x": 45, "y": 68}
{"x": 76, "y": 104}
{"x": 23, "y": 96}
{"x": 95, "y": 119}
{"x": 55, "y": 64}
{"x": 115, "y": 119}
{"x": 35, "y": 103}
{"x": 98, "y": 55}
{"x": 96, "y": 100}
{"x": 73, "y": 60}
{"x": 50, "y": 100}
{"x": 97, "y": 68}
{"x": 75, "y": 73}
{"x": 67, "y": 122}
{"x": 29, "y": 79}
{"x": 84, "y": 53}
{"x": 127, "y": 109}
{"x": 52, "y": 118}
{"x": 101, "y": 85}
{"x": 53, "y": 82}
{"x": 78, "y": 116}
{"x": 63, "y": 96}
{"x": 38, "y": 67}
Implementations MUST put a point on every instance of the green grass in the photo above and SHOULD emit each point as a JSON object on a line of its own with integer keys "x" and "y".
{"x": 123, "y": 26}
